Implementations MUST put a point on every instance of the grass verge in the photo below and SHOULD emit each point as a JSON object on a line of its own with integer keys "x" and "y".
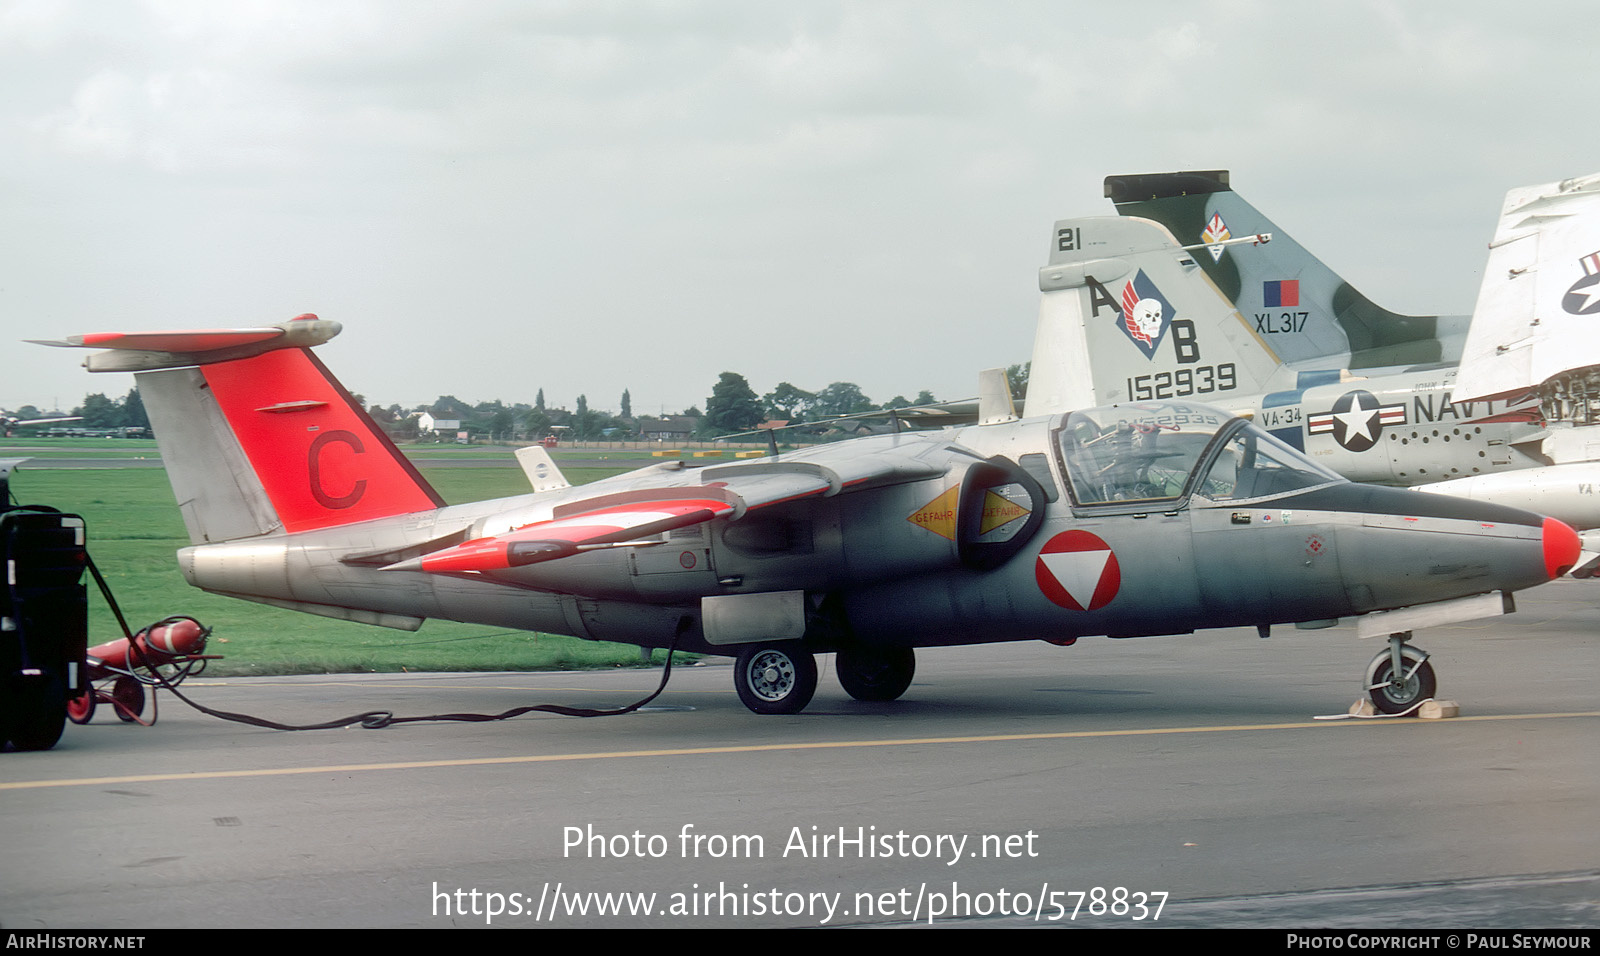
{"x": 135, "y": 530}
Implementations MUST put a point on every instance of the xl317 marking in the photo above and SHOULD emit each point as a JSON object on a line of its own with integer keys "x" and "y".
{"x": 1268, "y": 323}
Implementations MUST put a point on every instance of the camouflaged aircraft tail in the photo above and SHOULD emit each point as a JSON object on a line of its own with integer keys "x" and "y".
{"x": 1312, "y": 316}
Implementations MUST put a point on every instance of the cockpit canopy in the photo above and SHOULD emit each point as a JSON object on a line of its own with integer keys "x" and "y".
{"x": 1158, "y": 453}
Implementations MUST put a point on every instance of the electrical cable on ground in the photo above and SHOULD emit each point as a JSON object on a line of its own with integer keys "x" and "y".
{"x": 374, "y": 719}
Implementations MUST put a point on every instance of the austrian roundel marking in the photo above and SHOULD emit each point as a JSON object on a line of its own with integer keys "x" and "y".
{"x": 1078, "y": 571}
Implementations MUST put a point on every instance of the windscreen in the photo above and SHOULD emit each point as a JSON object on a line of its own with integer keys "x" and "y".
{"x": 1253, "y": 464}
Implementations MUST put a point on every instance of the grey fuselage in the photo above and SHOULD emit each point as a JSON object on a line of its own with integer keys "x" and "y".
{"x": 1049, "y": 528}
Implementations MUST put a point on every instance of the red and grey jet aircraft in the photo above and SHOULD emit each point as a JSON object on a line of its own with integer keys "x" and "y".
{"x": 1144, "y": 518}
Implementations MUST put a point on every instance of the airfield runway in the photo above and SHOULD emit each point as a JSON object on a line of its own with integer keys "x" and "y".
{"x": 1011, "y": 778}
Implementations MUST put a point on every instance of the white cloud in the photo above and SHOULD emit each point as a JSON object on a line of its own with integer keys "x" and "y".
{"x": 645, "y": 194}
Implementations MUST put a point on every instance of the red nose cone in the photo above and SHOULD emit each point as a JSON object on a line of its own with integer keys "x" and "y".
{"x": 1561, "y": 548}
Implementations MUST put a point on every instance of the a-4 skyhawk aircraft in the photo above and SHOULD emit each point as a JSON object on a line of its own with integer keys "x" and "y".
{"x": 1146, "y": 518}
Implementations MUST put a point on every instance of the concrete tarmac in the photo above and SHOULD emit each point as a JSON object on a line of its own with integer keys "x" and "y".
{"x": 1145, "y": 783}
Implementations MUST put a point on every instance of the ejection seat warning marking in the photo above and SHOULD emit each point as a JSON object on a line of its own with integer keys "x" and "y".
{"x": 939, "y": 515}
{"x": 1078, "y": 571}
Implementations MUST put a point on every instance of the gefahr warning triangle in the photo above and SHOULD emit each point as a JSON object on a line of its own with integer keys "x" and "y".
{"x": 1078, "y": 571}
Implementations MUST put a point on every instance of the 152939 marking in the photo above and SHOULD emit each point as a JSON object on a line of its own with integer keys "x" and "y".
{"x": 1197, "y": 380}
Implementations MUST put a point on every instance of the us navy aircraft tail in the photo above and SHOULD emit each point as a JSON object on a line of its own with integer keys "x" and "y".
{"x": 1130, "y": 315}
{"x": 1127, "y": 315}
{"x": 1308, "y": 311}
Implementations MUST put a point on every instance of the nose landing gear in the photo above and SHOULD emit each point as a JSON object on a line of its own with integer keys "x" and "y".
{"x": 1400, "y": 677}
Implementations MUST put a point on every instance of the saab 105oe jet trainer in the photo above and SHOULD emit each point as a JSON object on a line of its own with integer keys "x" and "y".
{"x": 1145, "y": 518}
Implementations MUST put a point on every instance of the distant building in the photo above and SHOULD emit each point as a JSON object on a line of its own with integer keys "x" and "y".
{"x": 427, "y": 423}
{"x": 670, "y": 428}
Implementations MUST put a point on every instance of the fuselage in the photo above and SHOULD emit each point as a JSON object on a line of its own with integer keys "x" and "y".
{"x": 1138, "y": 519}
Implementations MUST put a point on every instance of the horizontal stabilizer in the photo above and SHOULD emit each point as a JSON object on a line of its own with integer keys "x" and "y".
{"x": 198, "y": 340}
{"x": 144, "y": 351}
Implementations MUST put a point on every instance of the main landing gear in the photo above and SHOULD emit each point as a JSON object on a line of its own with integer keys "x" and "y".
{"x": 1400, "y": 677}
{"x": 775, "y": 678}
{"x": 780, "y": 678}
{"x": 876, "y": 673}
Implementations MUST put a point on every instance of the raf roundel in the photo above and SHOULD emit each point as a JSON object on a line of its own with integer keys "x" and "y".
{"x": 1078, "y": 571}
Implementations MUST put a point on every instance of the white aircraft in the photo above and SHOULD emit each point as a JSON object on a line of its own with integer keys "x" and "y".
{"x": 1536, "y": 329}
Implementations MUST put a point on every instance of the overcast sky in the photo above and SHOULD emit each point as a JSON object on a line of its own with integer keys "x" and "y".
{"x": 497, "y": 197}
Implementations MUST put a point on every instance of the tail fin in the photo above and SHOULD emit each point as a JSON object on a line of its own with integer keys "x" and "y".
{"x": 1128, "y": 315}
{"x": 1304, "y": 308}
{"x": 270, "y": 442}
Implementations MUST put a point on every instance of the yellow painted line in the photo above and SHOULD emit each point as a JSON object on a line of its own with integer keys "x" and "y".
{"x": 749, "y": 748}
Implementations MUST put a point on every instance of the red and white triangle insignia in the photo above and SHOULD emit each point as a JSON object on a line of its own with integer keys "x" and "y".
{"x": 1078, "y": 571}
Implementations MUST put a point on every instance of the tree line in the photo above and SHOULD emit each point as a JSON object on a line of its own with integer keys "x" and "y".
{"x": 733, "y": 406}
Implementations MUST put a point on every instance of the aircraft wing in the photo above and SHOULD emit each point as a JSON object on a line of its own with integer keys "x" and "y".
{"x": 638, "y": 514}
{"x": 11, "y": 422}
{"x": 1540, "y": 297}
{"x": 561, "y": 537}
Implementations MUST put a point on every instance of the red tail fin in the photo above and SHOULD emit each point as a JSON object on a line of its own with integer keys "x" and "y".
{"x": 257, "y": 434}
{"x": 320, "y": 458}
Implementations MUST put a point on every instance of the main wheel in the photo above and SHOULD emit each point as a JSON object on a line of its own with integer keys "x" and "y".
{"x": 775, "y": 678}
{"x": 876, "y": 673}
{"x": 128, "y": 696}
{"x": 1398, "y": 696}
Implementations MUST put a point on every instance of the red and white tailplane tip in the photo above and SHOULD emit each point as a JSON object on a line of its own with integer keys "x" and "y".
{"x": 143, "y": 351}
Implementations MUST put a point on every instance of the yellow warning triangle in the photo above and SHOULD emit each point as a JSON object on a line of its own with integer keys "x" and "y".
{"x": 998, "y": 511}
{"x": 939, "y": 515}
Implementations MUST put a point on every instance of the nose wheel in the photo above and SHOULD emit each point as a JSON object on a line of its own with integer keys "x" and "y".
{"x": 775, "y": 678}
{"x": 1400, "y": 677}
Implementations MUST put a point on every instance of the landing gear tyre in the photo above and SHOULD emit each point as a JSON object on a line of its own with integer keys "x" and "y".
{"x": 38, "y": 714}
{"x": 1397, "y": 697}
{"x": 129, "y": 697}
{"x": 775, "y": 678}
{"x": 80, "y": 709}
{"x": 876, "y": 673}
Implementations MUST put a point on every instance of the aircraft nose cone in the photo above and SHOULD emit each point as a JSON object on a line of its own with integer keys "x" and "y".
{"x": 1561, "y": 548}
